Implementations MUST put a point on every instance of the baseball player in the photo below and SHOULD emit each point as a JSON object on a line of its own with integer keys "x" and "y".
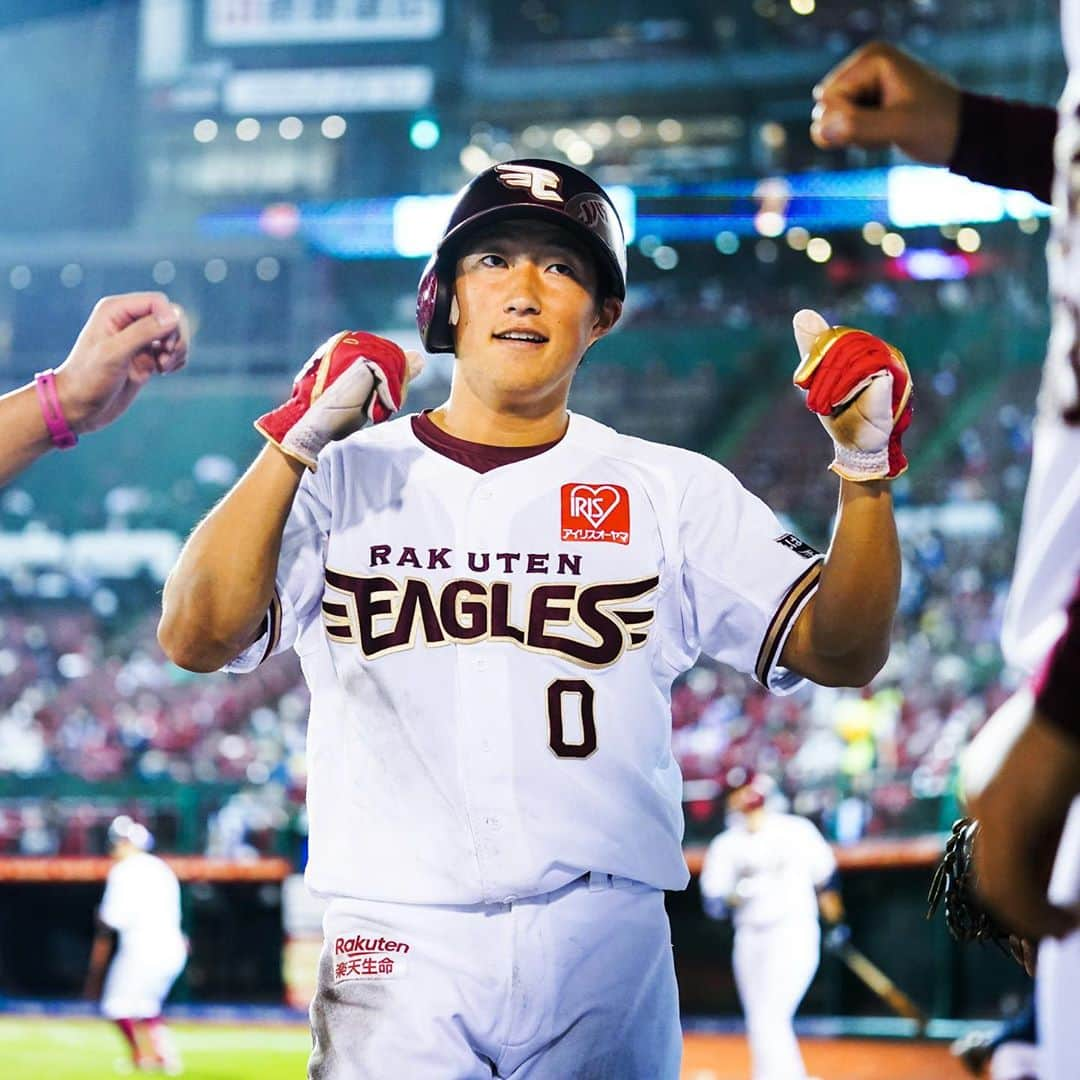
{"x": 772, "y": 872}
{"x": 126, "y": 340}
{"x": 1024, "y": 768}
{"x": 490, "y": 602}
{"x": 141, "y": 906}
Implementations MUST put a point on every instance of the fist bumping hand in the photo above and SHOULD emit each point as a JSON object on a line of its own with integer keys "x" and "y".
{"x": 351, "y": 379}
{"x": 126, "y": 340}
{"x": 860, "y": 387}
{"x": 880, "y": 96}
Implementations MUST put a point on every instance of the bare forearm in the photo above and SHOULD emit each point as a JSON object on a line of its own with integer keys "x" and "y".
{"x": 100, "y": 952}
{"x": 218, "y": 592}
{"x": 860, "y": 581}
{"x": 23, "y": 435}
{"x": 842, "y": 638}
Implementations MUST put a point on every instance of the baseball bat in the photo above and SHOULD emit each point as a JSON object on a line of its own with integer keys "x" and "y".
{"x": 866, "y": 970}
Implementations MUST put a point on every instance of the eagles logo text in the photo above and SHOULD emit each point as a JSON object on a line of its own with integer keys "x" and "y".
{"x": 382, "y": 615}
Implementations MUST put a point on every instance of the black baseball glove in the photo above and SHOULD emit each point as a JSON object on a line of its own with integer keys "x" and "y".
{"x": 955, "y": 887}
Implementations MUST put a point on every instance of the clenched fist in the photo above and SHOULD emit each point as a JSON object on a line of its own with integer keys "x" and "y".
{"x": 127, "y": 340}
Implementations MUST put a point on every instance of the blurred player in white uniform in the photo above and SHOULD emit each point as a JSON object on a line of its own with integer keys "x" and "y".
{"x": 772, "y": 872}
{"x": 1023, "y": 771}
{"x": 490, "y": 602}
{"x": 141, "y": 906}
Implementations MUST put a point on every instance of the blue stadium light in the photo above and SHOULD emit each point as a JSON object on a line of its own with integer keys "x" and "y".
{"x": 933, "y": 264}
{"x": 920, "y": 196}
{"x": 424, "y": 134}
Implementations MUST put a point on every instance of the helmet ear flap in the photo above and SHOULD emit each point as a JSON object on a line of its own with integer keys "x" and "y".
{"x": 433, "y": 302}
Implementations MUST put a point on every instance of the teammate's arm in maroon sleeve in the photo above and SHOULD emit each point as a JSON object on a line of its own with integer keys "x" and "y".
{"x": 880, "y": 96}
{"x": 126, "y": 340}
{"x": 218, "y": 593}
{"x": 1006, "y": 143}
{"x": 841, "y": 638}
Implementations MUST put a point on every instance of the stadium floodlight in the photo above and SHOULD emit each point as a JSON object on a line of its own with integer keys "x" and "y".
{"x": 424, "y": 134}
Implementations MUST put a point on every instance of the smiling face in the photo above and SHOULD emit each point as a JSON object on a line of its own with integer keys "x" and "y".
{"x": 525, "y": 310}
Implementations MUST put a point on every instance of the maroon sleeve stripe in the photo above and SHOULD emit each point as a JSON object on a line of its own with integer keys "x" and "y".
{"x": 1006, "y": 143}
{"x": 781, "y": 622}
{"x": 273, "y": 617}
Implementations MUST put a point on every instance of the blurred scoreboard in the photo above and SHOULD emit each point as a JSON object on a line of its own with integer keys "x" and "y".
{"x": 294, "y": 22}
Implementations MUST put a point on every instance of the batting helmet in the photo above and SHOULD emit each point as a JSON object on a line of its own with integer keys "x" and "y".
{"x": 753, "y": 788}
{"x": 526, "y": 188}
{"x": 124, "y": 828}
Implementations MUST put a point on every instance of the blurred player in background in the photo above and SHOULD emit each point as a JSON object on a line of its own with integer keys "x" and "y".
{"x": 773, "y": 873}
{"x": 509, "y": 803}
{"x": 1023, "y": 771}
{"x": 126, "y": 340}
{"x": 141, "y": 907}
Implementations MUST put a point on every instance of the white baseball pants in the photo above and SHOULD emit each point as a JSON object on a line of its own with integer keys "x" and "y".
{"x": 578, "y": 984}
{"x": 139, "y": 980}
{"x": 774, "y": 966}
{"x": 1057, "y": 977}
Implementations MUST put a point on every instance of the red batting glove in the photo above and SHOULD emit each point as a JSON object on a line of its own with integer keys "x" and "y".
{"x": 860, "y": 387}
{"x": 350, "y": 379}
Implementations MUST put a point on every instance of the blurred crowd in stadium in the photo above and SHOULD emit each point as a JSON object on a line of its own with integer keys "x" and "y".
{"x": 86, "y": 693}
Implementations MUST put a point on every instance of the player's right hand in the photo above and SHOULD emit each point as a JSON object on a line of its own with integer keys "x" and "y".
{"x": 880, "y": 96}
{"x": 352, "y": 378}
{"x": 860, "y": 388}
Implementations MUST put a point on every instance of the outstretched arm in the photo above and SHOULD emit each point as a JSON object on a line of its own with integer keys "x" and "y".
{"x": 217, "y": 596}
{"x": 125, "y": 341}
{"x": 860, "y": 388}
{"x": 842, "y": 636}
{"x": 220, "y": 589}
{"x": 880, "y": 96}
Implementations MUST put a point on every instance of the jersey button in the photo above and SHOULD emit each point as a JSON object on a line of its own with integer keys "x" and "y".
{"x": 493, "y": 823}
{"x": 480, "y": 664}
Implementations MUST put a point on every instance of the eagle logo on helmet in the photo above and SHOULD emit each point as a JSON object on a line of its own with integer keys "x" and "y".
{"x": 543, "y": 184}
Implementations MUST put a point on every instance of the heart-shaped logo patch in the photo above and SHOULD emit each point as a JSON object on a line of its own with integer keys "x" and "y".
{"x": 595, "y": 512}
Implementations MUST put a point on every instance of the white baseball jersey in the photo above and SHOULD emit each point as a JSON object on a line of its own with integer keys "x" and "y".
{"x": 142, "y": 902}
{"x": 1048, "y": 557}
{"x": 1048, "y": 560}
{"x": 490, "y": 655}
{"x": 770, "y": 875}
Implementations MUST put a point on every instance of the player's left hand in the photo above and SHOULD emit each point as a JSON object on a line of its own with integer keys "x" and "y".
{"x": 860, "y": 387}
{"x": 836, "y": 937}
{"x": 126, "y": 340}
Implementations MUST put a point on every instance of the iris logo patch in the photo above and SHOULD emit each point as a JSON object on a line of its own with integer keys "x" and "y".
{"x": 595, "y": 512}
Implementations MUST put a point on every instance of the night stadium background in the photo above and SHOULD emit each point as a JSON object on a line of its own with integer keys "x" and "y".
{"x": 282, "y": 168}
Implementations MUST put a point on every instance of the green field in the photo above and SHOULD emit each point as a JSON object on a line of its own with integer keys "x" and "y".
{"x": 59, "y": 1049}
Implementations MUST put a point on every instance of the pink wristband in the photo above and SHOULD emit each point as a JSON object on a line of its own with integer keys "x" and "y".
{"x": 49, "y": 400}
